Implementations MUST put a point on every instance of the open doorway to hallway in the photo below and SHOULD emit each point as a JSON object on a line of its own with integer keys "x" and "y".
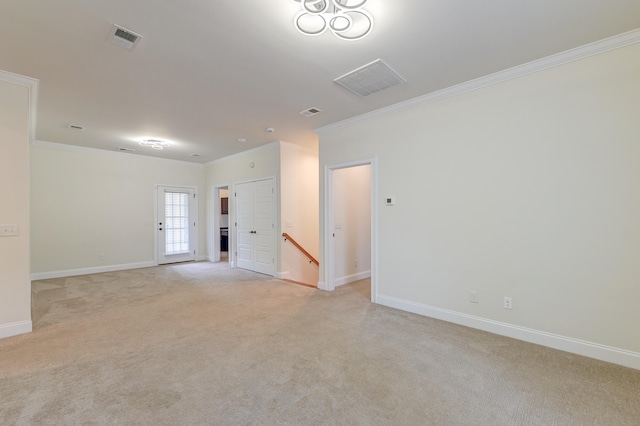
{"x": 221, "y": 238}
{"x": 350, "y": 218}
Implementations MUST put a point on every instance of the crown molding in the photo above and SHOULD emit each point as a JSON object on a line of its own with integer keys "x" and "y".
{"x": 77, "y": 148}
{"x": 578, "y": 53}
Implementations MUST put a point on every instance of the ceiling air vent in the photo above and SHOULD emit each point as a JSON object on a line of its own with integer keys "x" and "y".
{"x": 127, "y": 150}
{"x": 370, "y": 78}
{"x": 311, "y": 111}
{"x": 123, "y": 37}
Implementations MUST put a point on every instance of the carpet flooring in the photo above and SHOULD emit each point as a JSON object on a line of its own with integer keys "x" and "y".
{"x": 204, "y": 344}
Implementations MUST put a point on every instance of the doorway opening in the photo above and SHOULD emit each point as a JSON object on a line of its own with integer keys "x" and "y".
{"x": 221, "y": 238}
{"x": 350, "y": 218}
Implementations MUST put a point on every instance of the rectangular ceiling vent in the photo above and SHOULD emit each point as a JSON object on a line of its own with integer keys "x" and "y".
{"x": 311, "y": 111}
{"x": 370, "y": 78}
{"x": 126, "y": 150}
{"x": 123, "y": 37}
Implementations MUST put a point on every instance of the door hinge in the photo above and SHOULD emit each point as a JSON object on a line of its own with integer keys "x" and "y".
{"x": 194, "y": 224}
{"x": 194, "y": 195}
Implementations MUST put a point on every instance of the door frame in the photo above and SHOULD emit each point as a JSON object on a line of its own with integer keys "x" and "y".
{"x": 155, "y": 218}
{"x": 329, "y": 249}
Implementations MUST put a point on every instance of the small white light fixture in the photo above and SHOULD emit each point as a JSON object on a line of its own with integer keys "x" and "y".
{"x": 346, "y": 19}
{"x": 154, "y": 143}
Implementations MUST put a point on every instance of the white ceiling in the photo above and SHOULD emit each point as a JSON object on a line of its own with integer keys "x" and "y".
{"x": 208, "y": 73}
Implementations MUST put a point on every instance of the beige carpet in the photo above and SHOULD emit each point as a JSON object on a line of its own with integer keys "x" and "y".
{"x": 200, "y": 343}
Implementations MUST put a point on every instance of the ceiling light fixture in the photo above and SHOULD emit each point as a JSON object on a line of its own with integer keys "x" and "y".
{"x": 154, "y": 143}
{"x": 346, "y": 19}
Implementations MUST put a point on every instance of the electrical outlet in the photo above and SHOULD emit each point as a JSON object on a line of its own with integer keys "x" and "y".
{"x": 473, "y": 297}
{"x": 508, "y": 304}
{"x": 101, "y": 256}
{"x": 8, "y": 230}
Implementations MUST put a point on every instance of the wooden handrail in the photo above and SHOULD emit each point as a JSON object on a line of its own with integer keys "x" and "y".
{"x": 295, "y": 243}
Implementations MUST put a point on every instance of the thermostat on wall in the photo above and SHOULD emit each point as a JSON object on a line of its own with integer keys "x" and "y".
{"x": 390, "y": 201}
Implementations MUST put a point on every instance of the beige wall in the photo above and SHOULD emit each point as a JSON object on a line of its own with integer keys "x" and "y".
{"x": 255, "y": 164}
{"x": 295, "y": 170}
{"x": 299, "y": 211}
{"x": 16, "y": 97}
{"x": 90, "y": 202}
{"x": 528, "y": 188}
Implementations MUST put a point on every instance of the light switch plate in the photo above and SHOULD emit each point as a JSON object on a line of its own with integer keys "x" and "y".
{"x": 8, "y": 230}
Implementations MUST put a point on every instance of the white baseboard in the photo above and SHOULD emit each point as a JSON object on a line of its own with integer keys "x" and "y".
{"x": 86, "y": 271}
{"x": 351, "y": 278}
{"x": 285, "y": 275}
{"x": 202, "y": 258}
{"x": 15, "y": 328}
{"x": 563, "y": 343}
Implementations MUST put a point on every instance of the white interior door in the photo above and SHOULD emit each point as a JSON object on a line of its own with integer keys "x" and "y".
{"x": 177, "y": 224}
{"x": 256, "y": 226}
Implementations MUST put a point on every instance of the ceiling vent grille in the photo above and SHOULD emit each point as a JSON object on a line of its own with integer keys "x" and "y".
{"x": 370, "y": 78}
{"x": 311, "y": 111}
{"x": 123, "y": 37}
{"x": 126, "y": 150}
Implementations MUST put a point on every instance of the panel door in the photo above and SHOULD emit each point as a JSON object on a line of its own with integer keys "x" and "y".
{"x": 255, "y": 203}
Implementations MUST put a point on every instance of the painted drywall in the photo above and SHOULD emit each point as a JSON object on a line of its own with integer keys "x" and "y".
{"x": 352, "y": 224}
{"x": 299, "y": 211}
{"x": 87, "y": 203}
{"x": 529, "y": 188}
{"x": 15, "y": 283}
{"x": 254, "y": 164}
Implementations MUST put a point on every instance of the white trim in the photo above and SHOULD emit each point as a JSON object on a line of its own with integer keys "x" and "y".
{"x": 77, "y": 148}
{"x": 15, "y": 328}
{"x": 92, "y": 270}
{"x": 558, "y": 59}
{"x": 285, "y": 275}
{"x": 352, "y": 278}
{"x": 555, "y": 341}
{"x": 255, "y": 150}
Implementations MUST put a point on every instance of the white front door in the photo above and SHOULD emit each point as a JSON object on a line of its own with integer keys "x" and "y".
{"x": 256, "y": 226}
{"x": 177, "y": 224}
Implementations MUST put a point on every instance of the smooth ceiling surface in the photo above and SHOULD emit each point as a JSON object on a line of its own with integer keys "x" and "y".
{"x": 208, "y": 73}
